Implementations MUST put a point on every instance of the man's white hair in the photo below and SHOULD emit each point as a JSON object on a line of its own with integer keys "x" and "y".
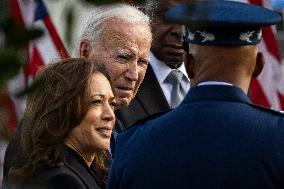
{"x": 93, "y": 26}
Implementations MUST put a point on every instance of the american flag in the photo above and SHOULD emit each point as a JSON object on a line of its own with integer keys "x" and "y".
{"x": 268, "y": 89}
{"x": 49, "y": 47}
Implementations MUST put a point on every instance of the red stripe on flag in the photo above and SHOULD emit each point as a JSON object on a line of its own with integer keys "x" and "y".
{"x": 281, "y": 99}
{"x": 57, "y": 41}
{"x": 11, "y": 119}
{"x": 256, "y": 2}
{"x": 268, "y": 36}
{"x": 16, "y": 12}
{"x": 36, "y": 62}
{"x": 270, "y": 42}
{"x": 257, "y": 94}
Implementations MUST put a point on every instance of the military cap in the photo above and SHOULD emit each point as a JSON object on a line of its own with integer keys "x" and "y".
{"x": 222, "y": 23}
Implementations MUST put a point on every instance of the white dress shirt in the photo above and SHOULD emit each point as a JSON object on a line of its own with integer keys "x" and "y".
{"x": 161, "y": 71}
{"x": 214, "y": 83}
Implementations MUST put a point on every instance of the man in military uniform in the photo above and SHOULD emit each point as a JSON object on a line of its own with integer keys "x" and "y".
{"x": 216, "y": 138}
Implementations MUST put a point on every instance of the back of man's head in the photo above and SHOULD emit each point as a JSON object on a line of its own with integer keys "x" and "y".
{"x": 235, "y": 64}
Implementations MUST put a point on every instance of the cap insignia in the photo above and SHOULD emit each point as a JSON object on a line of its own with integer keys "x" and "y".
{"x": 246, "y": 36}
{"x": 206, "y": 36}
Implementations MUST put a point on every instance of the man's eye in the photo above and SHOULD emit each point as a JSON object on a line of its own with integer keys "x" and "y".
{"x": 123, "y": 57}
{"x": 143, "y": 62}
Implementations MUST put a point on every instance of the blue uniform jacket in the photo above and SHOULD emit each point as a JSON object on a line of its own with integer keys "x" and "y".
{"x": 215, "y": 139}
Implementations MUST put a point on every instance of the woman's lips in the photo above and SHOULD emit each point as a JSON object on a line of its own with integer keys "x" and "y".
{"x": 104, "y": 131}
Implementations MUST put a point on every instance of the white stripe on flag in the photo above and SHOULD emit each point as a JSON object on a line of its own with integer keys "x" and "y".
{"x": 27, "y": 8}
{"x": 45, "y": 44}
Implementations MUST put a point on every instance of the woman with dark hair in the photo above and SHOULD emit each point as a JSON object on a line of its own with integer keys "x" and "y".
{"x": 67, "y": 128}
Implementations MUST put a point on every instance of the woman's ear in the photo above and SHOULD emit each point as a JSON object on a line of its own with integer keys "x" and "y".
{"x": 259, "y": 65}
{"x": 84, "y": 49}
{"x": 189, "y": 65}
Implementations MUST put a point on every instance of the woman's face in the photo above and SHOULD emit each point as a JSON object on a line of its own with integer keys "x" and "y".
{"x": 94, "y": 132}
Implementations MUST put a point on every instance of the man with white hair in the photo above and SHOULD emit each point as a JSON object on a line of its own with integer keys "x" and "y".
{"x": 166, "y": 81}
{"x": 117, "y": 36}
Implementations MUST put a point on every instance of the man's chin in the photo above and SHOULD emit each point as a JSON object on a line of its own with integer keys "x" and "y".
{"x": 122, "y": 102}
{"x": 173, "y": 61}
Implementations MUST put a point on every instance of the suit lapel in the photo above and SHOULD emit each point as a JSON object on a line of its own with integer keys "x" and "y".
{"x": 75, "y": 164}
{"x": 150, "y": 94}
{"x": 149, "y": 100}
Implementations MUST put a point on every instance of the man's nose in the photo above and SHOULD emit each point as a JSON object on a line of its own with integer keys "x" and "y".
{"x": 132, "y": 71}
{"x": 177, "y": 30}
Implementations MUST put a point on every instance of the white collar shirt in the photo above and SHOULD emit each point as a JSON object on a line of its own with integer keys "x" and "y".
{"x": 161, "y": 71}
{"x": 204, "y": 83}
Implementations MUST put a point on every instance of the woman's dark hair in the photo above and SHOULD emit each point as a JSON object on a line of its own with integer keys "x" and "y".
{"x": 58, "y": 104}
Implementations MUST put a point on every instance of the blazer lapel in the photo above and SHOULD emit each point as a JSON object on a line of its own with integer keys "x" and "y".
{"x": 149, "y": 100}
{"x": 150, "y": 94}
{"x": 75, "y": 164}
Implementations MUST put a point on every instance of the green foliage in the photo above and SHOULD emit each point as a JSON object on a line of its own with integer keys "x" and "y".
{"x": 10, "y": 64}
{"x": 19, "y": 37}
{"x": 69, "y": 19}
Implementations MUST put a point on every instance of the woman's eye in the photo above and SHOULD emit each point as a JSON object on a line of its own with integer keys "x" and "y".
{"x": 97, "y": 102}
{"x": 113, "y": 105}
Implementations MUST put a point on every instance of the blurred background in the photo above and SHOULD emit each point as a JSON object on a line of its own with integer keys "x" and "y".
{"x": 58, "y": 11}
{"x": 27, "y": 44}
{"x": 278, "y": 5}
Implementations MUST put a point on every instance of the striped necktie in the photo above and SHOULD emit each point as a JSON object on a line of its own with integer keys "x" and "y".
{"x": 177, "y": 93}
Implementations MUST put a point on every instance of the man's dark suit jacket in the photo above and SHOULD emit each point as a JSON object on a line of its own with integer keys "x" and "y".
{"x": 73, "y": 174}
{"x": 215, "y": 139}
{"x": 149, "y": 100}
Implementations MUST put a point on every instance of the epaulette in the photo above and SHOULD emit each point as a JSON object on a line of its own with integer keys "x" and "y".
{"x": 144, "y": 120}
{"x": 271, "y": 110}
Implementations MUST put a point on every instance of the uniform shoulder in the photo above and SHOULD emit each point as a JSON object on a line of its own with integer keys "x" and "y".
{"x": 144, "y": 121}
{"x": 269, "y": 110}
{"x": 135, "y": 129}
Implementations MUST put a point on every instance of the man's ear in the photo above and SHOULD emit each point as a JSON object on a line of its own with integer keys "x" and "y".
{"x": 189, "y": 65}
{"x": 84, "y": 49}
{"x": 259, "y": 65}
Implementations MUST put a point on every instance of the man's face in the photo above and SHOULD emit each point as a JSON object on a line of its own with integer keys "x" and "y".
{"x": 124, "y": 50}
{"x": 167, "y": 43}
